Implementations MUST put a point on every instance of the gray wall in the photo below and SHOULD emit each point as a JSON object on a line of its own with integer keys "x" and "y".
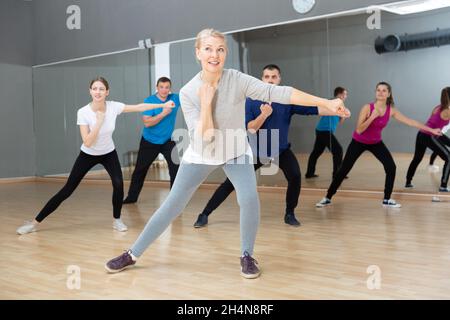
{"x": 16, "y": 110}
{"x": 60, "y": 90}
{"x": 301, "y": 51}
{"x": 111, "y": 25}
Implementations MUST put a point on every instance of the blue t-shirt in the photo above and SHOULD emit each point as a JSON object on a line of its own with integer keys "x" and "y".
{"x": 162, "y": 132}
{"x": 279, "y": 119}
{"x": 328, "y": 123}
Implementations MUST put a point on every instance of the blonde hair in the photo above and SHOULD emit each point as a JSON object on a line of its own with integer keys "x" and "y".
{"x": 206, "y": 33}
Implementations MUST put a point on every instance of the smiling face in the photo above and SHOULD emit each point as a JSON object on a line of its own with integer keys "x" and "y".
{"x": 271, "y": 76}
{"x": 212, "y": 53}
{"x": 163, "y": 89}
{"x": 382, "y": 93}
{"x": 98, "y": 92}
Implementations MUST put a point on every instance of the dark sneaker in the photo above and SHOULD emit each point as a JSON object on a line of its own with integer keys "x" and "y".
{"x": 249, "y": 267}
{"x": 409, "y": 185}
{"x": 120, "y": 263}
{"x": 128, "y": 200}
{"x": 289, "y": 218}
{"x": 202, "y": 221}
{"x": 310, "y": 176}
{"x": 444, "y": 189}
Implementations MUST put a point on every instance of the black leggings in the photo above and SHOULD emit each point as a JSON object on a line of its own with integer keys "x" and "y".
{"x": 325, "y": 139}
{"x": 82, "y": 165}
{"x": 424, "y": 141}
{"x": 147, "y": 154}
{"x": 288, "y": 164}
{"x": 354, "y": 151}
{"x": 445, "y": 141}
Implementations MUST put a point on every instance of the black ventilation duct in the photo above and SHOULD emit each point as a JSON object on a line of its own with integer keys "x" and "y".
{"x": 394, "y": 43}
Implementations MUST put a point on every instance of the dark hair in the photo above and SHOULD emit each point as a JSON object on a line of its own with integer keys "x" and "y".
{"x": 272, "y": 67}
{"x": 390, "y": 100}
{"x": 102, "y": 80}
{"x": 338, "y": 91}
{"x": 445, "y": 98}
{"x": 163, "y": 79}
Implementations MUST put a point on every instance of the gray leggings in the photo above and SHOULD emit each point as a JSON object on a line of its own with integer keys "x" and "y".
{"x": 188, "y": 179}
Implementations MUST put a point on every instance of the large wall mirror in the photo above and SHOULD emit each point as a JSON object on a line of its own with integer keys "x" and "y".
{"x": 316, "y": 56}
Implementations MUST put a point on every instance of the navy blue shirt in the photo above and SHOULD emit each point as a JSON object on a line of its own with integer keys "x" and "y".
{"x": 279, "y": 119}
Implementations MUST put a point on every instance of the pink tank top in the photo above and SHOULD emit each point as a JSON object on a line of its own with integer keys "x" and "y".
{"x": 435, "y": 121}
{"x": 372, "y": 134}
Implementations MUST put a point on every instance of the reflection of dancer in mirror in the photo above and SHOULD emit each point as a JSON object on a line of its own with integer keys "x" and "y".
{"x": 325, "y": 138}
{"x": 440, "y": 117}
{"x": 97, "y": 122}
{"x": 260, "y": 115}
{"x": 156, "y": 138}
{"x": 213, "y": 107}
{"x": 373, "y": 118}
{"x": 443, "y": 139}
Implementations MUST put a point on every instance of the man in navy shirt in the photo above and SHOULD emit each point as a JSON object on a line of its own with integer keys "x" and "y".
{"x": 156, "y": 138}
{"x": 262, "y": 115}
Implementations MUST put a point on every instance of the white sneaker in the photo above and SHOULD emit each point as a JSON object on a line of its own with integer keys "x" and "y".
{"x": 433, "y": 168}
{"x": 119, "y": 225}
{"x": 323, "y": 203}
{"x": 28, "y": 227}
{"x": 391, "y": 204}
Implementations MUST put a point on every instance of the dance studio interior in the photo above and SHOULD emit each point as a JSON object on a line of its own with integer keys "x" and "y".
{"x": 332, "y": 180}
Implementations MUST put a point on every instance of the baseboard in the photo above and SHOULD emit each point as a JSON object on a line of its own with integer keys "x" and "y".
{"x": 17, "y": 180}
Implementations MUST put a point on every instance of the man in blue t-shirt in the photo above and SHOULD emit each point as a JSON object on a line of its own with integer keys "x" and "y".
{"x": 156, "y": 138}
{"x": 261, "y": 115}
{"x": 325, "y": 138}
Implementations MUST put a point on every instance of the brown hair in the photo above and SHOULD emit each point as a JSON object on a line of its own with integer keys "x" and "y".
{"x": 163, "y": 80}
{"x": 445, "y": 98}
{"x": 390, "y": 100}
{"x": 338, "y": 91}
{"x": 100, "y": 79}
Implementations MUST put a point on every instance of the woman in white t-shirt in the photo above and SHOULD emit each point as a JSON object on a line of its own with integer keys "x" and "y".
{"x": 97, "y": 121}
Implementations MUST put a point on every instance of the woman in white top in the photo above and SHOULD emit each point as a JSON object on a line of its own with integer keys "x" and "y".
{"x": 97, "y": 121}
{"x": 213, "y": 105}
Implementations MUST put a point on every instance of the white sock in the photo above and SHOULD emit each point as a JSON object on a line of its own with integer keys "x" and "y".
{"x": 133, "y": 257}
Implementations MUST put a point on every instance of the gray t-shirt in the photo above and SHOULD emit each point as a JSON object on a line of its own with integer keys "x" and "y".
{"x": 228, "y": 115}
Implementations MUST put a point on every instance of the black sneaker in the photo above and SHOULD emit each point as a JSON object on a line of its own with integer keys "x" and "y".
{"x": 444, "y": 189}
{"x": 310, "y": 176}
{"x": 409, "y": 185}
{"x": 249, "y": 267}
{"x": 290, "y": 219}
{"x": 128, "y": 200}
{"x": 120, "y": 263}
{"x": 202, "y": 221}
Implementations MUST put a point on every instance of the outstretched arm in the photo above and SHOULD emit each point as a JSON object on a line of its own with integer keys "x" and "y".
{"x": 147, "y": 106}
{"x": 413, "y": 123}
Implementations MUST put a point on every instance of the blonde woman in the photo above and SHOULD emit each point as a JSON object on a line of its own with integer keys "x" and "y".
{"x": 213, "y": 104}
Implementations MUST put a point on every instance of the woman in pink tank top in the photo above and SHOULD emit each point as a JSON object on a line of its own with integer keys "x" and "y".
{"x": 373, "y": 118}
{"x": 440, "y": 117}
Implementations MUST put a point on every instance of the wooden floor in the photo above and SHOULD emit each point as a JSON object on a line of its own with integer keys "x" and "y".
{"x": 326, "y": 258}
{"x": 367, "y": 174}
